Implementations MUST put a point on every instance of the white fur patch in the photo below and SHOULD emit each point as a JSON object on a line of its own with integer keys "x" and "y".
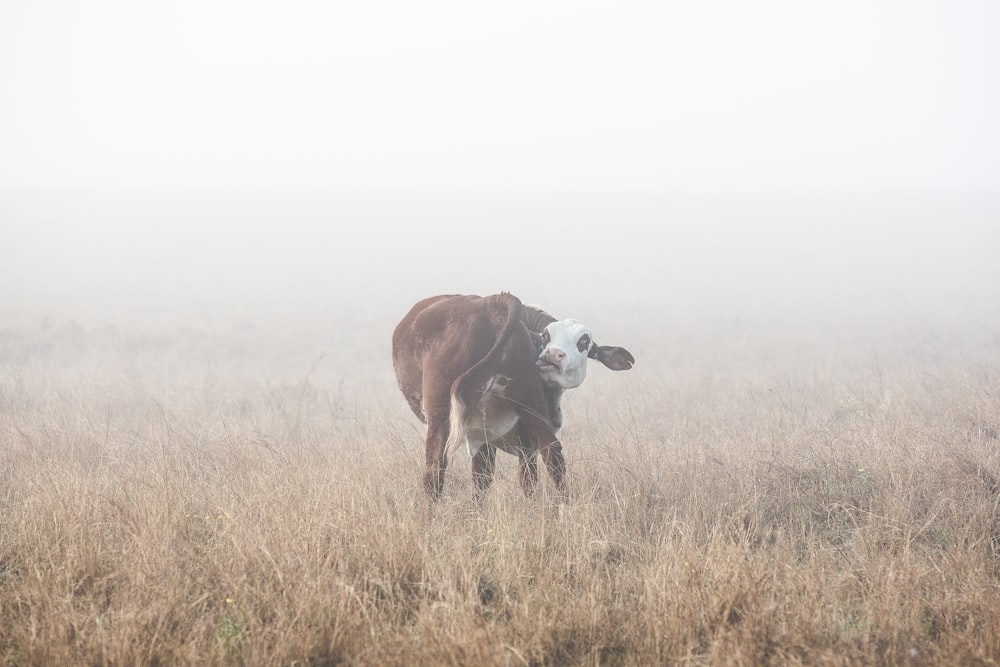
{"x": 495, "y": 418}
{"x": 562, "y": 350}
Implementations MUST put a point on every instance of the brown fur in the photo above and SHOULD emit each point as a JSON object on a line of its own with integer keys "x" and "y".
{"x": 446, "y": 349}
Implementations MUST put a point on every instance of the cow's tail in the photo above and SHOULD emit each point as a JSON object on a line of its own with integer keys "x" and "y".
{"x": 479, "y": 370}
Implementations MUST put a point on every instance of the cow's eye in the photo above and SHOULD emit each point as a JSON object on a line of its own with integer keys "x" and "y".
{"x": 545, "y": 337}
{"x": 584, "y": 343}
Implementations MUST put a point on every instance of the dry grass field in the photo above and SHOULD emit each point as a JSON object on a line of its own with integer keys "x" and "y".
{"x": 205, "y": 459}
{"x": 750, "y": 493}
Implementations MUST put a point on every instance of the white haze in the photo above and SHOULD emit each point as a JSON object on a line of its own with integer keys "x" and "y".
{"x": 835, "y": 163}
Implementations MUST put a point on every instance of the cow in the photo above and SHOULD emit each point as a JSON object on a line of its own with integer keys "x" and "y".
{"x": 491, "y": 371}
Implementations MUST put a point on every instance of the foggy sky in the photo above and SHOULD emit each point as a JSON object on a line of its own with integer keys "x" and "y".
{"x": 645, "y": 157}
{"x": 454, "y": 96}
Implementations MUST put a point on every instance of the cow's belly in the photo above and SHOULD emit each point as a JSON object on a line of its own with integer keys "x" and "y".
{"x": 481, "y": 429}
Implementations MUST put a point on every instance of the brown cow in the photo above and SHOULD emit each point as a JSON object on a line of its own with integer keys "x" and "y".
{"x": 491, "y": 371}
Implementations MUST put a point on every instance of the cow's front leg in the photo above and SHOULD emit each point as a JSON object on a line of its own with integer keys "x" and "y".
{"x": 555, "y": 463}
{"x": 539, "y": 436}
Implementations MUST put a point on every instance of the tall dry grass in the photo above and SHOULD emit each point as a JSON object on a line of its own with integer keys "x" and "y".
{"x": 237, "y": 497}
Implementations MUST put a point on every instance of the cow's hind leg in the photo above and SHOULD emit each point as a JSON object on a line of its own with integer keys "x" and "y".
{"x": 437, "y": 408}
{"x": 483, "y": 464}
{"x": 436, "y": 455}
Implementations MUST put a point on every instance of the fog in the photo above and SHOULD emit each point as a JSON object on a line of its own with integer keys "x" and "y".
{"x": 157, "y": 257}
{"x": 832, "y": 163}
{"x": 214, "y": 213}
{"x": 443, "y": 96}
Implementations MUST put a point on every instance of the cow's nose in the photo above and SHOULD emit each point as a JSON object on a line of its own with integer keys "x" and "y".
{"x": 555, "y": 355}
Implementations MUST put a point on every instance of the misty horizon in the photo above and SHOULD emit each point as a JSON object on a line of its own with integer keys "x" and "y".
{"x": 715, "y": 160}
{"x": 259, "y": 256}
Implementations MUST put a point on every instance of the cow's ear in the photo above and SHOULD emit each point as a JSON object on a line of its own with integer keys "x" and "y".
{"x": 615, "y": 358}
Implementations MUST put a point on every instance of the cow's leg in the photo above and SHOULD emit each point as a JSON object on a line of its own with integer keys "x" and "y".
{"x": 483, "y": 464}
{"x": 437, "y": 407}
{"x": 527, "y": 470}
{"x": 437, "y": 457}
{"x": 555, "y": 463}
{"x": 527, "y": 460}
{"x": 539, "y": 436}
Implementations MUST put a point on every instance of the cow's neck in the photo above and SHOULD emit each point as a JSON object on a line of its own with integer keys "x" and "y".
{"x": 553, "y": 396}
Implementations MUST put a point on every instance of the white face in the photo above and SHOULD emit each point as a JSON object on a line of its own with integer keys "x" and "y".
{"x": 563, "y": 360}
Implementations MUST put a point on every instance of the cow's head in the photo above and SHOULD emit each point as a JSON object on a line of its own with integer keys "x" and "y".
{"x": 566, "y": 346}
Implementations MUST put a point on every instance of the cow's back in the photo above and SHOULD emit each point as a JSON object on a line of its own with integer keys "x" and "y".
{"x": 409, "y": 343}
{"x": 444, "y": 335}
